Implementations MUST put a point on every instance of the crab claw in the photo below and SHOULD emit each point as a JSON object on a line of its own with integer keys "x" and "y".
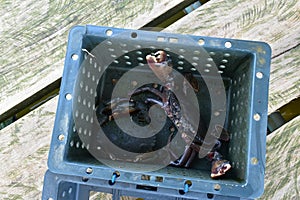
{"x": 160, "y": 64}
{"x": 219, "y": 168}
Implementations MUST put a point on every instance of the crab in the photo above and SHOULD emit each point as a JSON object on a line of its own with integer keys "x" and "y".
{"x": 161, "y": 65}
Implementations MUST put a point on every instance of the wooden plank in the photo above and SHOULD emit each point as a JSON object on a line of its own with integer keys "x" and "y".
{"x": 24, "y": 151}
{"x": 283, "y": 165}
{"x": 285, "y": 79}
{"x": 34, "y": 35}
{"x": 276, "y": 22}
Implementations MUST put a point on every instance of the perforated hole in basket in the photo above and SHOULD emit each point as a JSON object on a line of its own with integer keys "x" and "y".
{"x": 66, "y": 190}
{"x": 239, "y": 123}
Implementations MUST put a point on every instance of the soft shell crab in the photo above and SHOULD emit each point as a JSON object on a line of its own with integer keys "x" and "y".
{"x": 161, "y": 65}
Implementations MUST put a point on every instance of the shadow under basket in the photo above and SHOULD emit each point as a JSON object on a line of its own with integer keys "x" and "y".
{"x": 231, "y": 77}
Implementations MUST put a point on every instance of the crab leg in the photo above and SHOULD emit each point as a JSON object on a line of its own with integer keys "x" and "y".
{"x": 161, "y": 104}
{"x": 117, "y": 108}
{"x": 148, "y": 89}
{"x": 186, "y": 158}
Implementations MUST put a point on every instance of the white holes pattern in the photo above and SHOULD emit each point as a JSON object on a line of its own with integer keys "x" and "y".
{"x": 238, "y": 133}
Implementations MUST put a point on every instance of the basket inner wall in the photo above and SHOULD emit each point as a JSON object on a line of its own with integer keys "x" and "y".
{"x": 235, "y": 69}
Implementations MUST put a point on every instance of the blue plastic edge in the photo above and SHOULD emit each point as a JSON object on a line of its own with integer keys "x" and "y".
{"x": 76, "y": 188}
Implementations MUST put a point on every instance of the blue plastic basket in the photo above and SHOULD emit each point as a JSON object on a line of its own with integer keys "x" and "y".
{"x": 65, "y": 187}
{"x": 244, "y": 68}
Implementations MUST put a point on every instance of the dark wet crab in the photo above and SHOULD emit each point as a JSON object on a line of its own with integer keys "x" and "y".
{"x": 161, "y": 64}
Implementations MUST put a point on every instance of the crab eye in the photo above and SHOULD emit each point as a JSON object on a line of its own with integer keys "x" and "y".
{"x": 157, "y": 54}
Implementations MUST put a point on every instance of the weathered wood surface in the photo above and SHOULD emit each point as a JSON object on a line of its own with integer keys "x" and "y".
{"x": 276, "y": 22}
{"x": 282, "y": 179}
{"x": 285, "y": 78}
{"x": 23, "y": 153}
{"x": 34, "y": 36}
{"x": 33, "y": 42}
